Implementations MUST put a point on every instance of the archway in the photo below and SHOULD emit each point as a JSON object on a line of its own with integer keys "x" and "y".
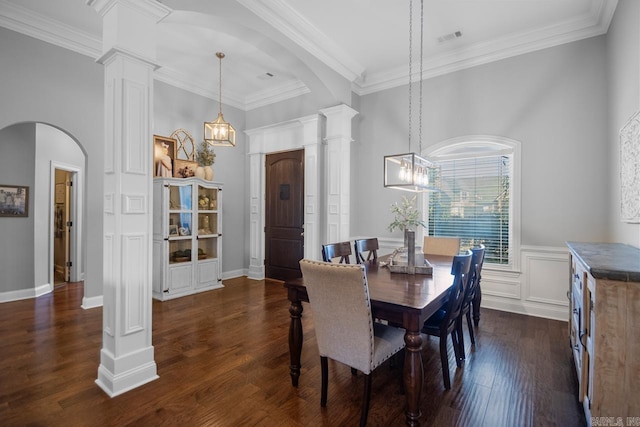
{"x": 29, "y": 154}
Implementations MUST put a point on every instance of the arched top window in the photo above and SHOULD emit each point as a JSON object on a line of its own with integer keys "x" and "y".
{"x": 479, "y": 197}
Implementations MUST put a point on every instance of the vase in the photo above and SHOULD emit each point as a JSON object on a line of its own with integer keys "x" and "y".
{"x": 208, "y": 173}
{"x": 199, "y": 173}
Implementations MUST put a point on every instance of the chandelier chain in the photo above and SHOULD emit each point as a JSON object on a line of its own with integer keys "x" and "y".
{"x": 421, "y": 77}
{"x": 410, "y": 63}
{"x": 220, "y": 56}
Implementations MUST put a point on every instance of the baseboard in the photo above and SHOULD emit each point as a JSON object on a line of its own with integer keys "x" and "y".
{"x": 233, "y": 274}
{"x": 546, "y": 311}
{"x": 92, "y": 302}
{"x": 21, "y": 294}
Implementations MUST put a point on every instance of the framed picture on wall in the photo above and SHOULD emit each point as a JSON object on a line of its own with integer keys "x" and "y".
{"x": 14, "y": 200}
{"x": 164, "y": 154}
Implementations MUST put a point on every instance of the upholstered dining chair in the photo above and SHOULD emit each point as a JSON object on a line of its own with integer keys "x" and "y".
{"x": 433, "y": 245}
{"x": 445, "y": 321}
{"x": 345, "y": 332}
{"x": 361, "y": 246}
{"x": 477, "y": 259}
{"x": 340, "y": 250}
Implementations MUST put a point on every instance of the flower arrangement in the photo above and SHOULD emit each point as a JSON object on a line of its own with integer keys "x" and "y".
{"x": 405, "y": 215}
{"x": 206, "y": 155}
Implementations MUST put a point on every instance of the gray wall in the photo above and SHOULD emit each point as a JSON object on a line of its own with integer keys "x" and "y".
{"x": 48, "y": 84}
{"x": 553, "y": 101}
{"x": 623, "y": 78}
{"x": 17, "y": 154}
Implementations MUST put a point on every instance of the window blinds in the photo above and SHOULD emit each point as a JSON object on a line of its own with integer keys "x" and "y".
{"x": 473, "y": 204}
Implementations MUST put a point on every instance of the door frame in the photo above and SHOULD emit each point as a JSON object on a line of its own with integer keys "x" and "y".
{"x": 302, "y": 133}
{"x": 75, "y": 216}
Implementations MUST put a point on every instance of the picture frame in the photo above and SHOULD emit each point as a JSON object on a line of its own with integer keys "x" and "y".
{"x": 164, "y": 155}
{"x": 14, "y": 201}
{"x": 173, "y": 230}
{"x": 184, "y": 168}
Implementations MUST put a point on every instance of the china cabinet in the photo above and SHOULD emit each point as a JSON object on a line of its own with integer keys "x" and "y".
{"x": 187, "y": 236}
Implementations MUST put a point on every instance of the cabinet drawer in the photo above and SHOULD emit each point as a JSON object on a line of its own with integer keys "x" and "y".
{"x": 578, "y": 279}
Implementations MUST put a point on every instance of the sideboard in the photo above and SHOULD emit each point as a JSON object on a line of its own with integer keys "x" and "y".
{"x": 604, "y": 328}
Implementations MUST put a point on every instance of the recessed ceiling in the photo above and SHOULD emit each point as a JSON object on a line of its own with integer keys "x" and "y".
{"x": 365, "y": 41}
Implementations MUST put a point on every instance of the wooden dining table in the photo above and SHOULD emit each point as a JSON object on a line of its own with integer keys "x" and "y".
{"x": 406, "y": 300}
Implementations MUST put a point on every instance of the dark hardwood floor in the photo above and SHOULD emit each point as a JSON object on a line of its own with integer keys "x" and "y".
{"x": 223, "y": 361}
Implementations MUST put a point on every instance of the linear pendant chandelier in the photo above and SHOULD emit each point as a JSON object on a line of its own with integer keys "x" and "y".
{"x": 219, "y": 132}
{"x": 410, "y": 171}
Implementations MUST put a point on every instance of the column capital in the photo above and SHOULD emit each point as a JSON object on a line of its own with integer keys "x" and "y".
{"x": 338, "y": 122}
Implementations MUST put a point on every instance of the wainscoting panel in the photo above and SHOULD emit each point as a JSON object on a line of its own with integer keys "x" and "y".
{"x": 540, "y": 289}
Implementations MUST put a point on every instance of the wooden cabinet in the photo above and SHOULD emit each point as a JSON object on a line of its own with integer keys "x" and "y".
{"x": 604, "y": 328}
{"x": 187, "y": 236}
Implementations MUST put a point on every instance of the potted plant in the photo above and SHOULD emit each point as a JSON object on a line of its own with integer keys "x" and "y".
{"x": 406, "y": 218}
{"x": 206, "y": 157}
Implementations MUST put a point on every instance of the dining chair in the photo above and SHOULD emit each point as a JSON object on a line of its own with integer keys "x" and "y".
{"x": 340, "y": 250}
{"x": 345, "y": 332}
{"x": 433, "y": 245}
{"x": 477, "y": 259}
{"x": 361, "y": 246}
{"x": 445, "y": 321}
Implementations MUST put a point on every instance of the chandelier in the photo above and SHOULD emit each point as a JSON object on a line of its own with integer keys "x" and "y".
{"x": 410, "y": 171}
{"x": 219, "y": 132}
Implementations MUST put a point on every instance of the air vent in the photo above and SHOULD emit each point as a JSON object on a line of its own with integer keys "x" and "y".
{"x": 450, "y": 36}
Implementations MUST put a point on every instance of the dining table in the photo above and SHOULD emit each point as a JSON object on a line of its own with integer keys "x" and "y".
{"x": 404, "y": 300}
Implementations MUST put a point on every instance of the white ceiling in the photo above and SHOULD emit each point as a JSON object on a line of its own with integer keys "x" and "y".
{"x": 364, "y": 41}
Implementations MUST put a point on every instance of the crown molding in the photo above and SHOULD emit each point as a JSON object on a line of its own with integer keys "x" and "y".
{"x": 593, "y": 24}
{"x": 24, "y": 21}
{"x": 147, "y": 7}
{"x": 275, "y": 94}
{"x": 259, "y": 99}
{"x": 294, "y": 26}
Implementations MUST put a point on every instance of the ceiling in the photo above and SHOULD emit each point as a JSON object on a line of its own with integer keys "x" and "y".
{"x": 272, "y": 46}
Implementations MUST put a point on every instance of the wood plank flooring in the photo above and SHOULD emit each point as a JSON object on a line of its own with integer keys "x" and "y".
{"x": 223, "y": 360}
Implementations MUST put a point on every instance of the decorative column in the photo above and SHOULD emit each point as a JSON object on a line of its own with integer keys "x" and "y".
{"x": 338, "y": 171}
{"x": 127, "y": 354}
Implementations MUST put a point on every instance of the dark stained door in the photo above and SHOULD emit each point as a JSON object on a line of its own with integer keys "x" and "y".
{"x": 284, "y": 214}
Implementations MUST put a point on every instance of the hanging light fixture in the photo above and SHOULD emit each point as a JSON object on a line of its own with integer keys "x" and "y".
{"x": 219, "y": 132}
{"x": 410, "y": 171}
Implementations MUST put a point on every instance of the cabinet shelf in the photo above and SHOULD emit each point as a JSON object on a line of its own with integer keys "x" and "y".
{"x": 186, "y": 236}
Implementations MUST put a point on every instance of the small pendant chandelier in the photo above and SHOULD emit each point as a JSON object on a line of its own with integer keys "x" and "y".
{"x": 219, "y": 132}
{"x": 410, "y": 171}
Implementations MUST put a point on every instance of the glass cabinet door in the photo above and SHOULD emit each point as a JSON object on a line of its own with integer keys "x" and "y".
{"x": 180, "y": 223}
{"x": 207, "y": 208}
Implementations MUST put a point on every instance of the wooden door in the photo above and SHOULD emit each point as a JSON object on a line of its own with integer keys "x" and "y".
{"x": 284, "y": 214}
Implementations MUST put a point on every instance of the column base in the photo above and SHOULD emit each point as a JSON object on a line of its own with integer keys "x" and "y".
{"x": 117, "y": 376}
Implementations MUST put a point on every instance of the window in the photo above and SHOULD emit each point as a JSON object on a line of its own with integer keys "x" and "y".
{"x": 478, "y": 195}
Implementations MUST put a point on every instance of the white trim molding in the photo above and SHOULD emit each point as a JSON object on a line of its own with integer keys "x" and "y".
{"x": 539, "y": 290}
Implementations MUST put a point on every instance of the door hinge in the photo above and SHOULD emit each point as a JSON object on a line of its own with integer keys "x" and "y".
{"x": 69, "y": 264}
{"x": 69, "y": 183}
{"x": 69, "y": 223}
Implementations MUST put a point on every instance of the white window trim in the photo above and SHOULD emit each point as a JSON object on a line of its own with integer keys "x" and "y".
{"x": 475, "y": 145}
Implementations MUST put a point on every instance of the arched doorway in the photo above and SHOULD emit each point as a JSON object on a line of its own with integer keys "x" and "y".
{"x": 29, "y": 154}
